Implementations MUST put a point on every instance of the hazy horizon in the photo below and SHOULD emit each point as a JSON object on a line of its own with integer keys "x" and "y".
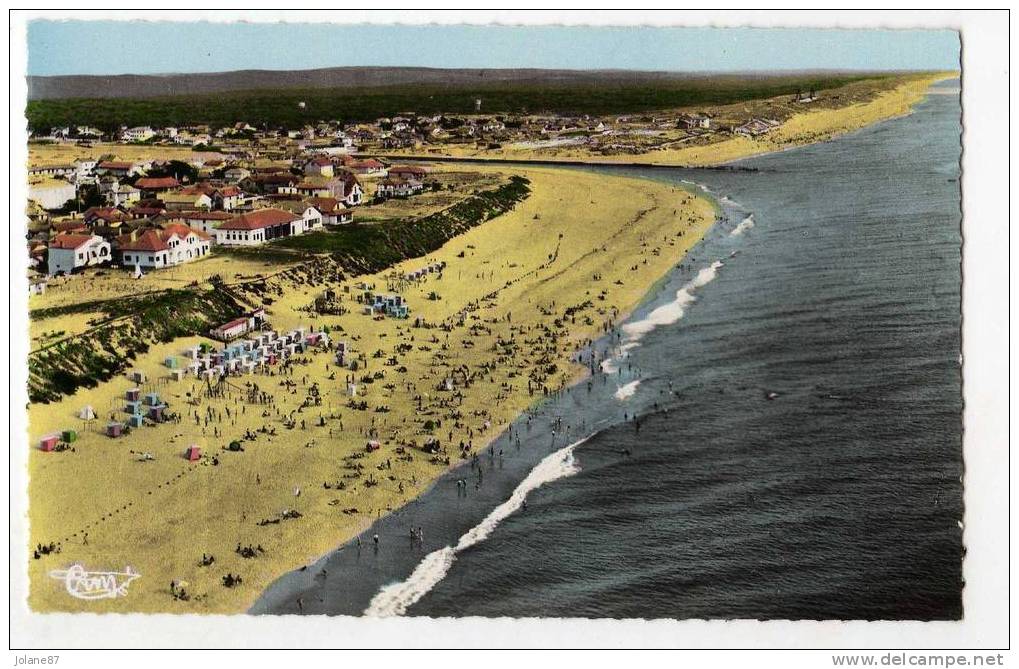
{"x": 84, "y": 48}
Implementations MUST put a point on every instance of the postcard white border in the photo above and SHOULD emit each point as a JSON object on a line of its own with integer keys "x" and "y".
{"x": 986, "y": 388}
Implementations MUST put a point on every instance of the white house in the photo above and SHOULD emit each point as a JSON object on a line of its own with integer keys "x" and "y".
{"x": 308, "y": 212}
{"x": 176, "y": 244}
{"x": 259, "y": 227}
{"x": 137, "y": 134}
{"x": 68, "y": 253}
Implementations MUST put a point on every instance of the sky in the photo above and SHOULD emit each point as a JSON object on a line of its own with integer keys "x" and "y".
{"x": 132, "y": 47}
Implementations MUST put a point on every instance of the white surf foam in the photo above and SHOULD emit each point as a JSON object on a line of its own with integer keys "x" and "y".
{"x": 396, "y": 598}
{"x": 728, "y": 201}
{"x": 626, "y": 391}
{"x": 743, "y": 226}
{"x": 669, "y": 313}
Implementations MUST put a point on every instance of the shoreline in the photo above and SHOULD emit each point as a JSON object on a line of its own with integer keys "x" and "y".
{"x": 814, "y": 127}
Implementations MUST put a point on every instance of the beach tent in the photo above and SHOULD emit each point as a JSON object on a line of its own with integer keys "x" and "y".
{"x": 87, "y": 413}
{"x": 48, "y": 443}
{"x": 193, "y": 453}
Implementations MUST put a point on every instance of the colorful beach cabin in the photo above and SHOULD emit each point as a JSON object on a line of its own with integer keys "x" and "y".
{"x": 152, "y": 399}
{"x": 171, "y": 362}
{"x": 114, "y": 429}
{"x": 133, "y": 395}
{"x": 136, "y": 420}
{"x": 48, "y": 443}
{"x": 69, "y": 436}
{"x": 193, "y": 453}
{"x": 138, "y": 376}
{"x": 156, "y": 412}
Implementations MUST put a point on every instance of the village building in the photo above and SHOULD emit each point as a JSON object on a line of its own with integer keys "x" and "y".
{"x": 310, "y": 214}
{"x": 206, "y": 221}
{"x": 137, "y": 134}
{"x": 155, "y": 185}
{"x": 332, "y": 210}
{"x": 408, "y": 172}
{"x": 68, "y": 253}
{"x": 116, "y": 168}
{"x": 259, "y": 227}
{"x": 188, "y": 199}
{"x": 153, "y": 248}
{"x": 124, "y": 195}
{"x": 104, "y": 216}
{"x": 756, "y": 127}
{"x": 321, "y": 167}
{"x": 396, "y": 187}
{"x": 51, "y": 171}
{"x": 235, "y": 174}
{"x": 695, "y": 121}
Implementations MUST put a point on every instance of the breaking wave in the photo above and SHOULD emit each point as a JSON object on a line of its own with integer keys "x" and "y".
{"x": 626, "y": 391}
{"x": 743, "y": 226}
{"x": 667, "y": 314}
{"x": 396, "y": 598}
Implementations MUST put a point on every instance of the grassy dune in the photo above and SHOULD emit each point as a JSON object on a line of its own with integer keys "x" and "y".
{"x": 588, "y": 243}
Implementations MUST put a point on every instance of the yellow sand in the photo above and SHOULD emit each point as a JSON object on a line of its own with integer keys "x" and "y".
{"x": 160, "y": 516}
{"x": 57, "y": 154}
{"x": 806, "y": 127}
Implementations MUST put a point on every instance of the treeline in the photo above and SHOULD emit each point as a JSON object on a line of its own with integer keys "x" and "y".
{"x": 279, "y": 108}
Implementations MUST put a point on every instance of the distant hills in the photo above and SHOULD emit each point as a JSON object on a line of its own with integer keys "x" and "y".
{"x": 159, "y": 85}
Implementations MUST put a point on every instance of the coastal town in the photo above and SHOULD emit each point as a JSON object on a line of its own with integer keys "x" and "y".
{"x": 249, "y": 342}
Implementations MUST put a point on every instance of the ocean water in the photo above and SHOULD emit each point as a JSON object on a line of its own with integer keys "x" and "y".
{"x": 797, "y": 451}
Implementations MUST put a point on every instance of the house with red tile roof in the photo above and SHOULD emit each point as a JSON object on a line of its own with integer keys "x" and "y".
{"x": 333, "y": 211}
{"x": 154, "y": 248}
{"x": 117, "y": 168}
{"x": 259, "y": 227}
{"x": 68, "y": 253}
{"x": 408, "y": 172}
{"x": 152, "y": 185}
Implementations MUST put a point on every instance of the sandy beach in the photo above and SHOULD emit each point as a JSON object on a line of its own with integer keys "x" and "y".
{"x": 519, "y": 295}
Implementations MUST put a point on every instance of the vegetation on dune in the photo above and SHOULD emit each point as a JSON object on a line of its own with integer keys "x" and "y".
{"x": 280, "y": 107}
{"x": 103, "y": 352}
{"x": 371, "y": 248}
